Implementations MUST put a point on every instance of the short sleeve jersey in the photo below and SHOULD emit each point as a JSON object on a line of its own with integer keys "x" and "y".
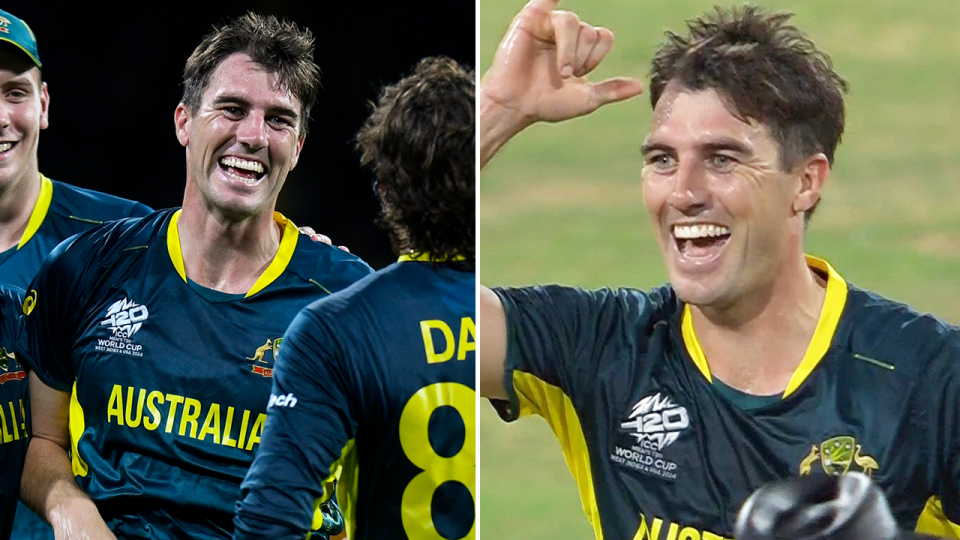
{"x": 375, "y": 385}
{"x": 60, "y": 212}
{"x": 169, "y": 385}
{"x": 14, "y": 422}
{"x": 659, "y": 452}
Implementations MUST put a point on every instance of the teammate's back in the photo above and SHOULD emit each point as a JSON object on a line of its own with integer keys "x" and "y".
{"x": 376, "y": 384}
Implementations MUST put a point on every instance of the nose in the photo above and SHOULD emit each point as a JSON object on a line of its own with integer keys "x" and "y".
{"x": 251, "y": 132}
{"x": 689, "y": 193}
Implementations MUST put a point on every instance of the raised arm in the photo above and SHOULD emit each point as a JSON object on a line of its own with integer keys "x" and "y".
{"x": 48, "y": 485}
{"x": 539, "y": 74}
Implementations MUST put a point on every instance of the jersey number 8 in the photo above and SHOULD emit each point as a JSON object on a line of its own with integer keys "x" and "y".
{"x": 415, "y": 441}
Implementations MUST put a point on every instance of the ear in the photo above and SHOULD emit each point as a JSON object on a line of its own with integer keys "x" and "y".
{"x": 814, "y": 173}
{"x": 181, "y": 118}
{"x": 296, "y": 152}
{"x": 44, "y": 106}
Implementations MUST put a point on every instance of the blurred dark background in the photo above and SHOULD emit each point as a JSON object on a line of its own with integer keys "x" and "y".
{"x": 114, "y": 81}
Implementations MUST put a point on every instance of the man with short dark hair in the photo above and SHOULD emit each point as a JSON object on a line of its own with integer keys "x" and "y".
{"x": 756, "y": 362}
{"x": 152, "y": 340}
{"x": 375, "y": 384}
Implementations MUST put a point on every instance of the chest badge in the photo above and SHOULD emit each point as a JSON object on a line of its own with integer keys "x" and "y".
{"x": 836, "y": 455}
{"x": 273, "y": 347}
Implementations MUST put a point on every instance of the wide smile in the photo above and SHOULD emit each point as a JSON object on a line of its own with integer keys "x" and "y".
{"x": 698, "y": 246}
{"x": 245, "y": 170}
{"x": 6, "y": 147}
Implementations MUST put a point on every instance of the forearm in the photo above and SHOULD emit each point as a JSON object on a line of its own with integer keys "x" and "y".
{"x": 495, "y": 126}
{"x": 49, "y": 488}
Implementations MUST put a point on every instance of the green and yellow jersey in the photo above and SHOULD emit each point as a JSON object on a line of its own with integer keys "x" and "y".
{"x": 661, "y": 450}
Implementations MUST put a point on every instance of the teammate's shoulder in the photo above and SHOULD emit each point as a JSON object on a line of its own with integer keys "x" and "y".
{"x": 10, "y": 297}
{"x": 330, "y": 266}
{"x": 108, "y": 240}
{"x": 883, "y": 328}
{"x": 92, "y": 206}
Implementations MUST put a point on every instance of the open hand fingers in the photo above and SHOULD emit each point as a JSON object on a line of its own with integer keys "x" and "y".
{"x": 566, "y": 32}
{"x": 601, "y": 46}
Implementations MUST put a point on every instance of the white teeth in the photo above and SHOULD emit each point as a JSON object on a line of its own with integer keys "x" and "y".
{"x": 687, "y": 232}
{"x": 238, "y": 163}
{"x": 5, "y": 146}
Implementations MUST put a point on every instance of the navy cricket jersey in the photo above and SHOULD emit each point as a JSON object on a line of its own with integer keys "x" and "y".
{"x": 375, "y": 385}
{"x": 14, "y": 422}
{"x": 60, "y": 212}
{"x": 169, "y": 381}
{"x": 659, "y": 452}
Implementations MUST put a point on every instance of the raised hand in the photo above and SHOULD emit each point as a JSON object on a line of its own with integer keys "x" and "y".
{"x": 539, "y": 70}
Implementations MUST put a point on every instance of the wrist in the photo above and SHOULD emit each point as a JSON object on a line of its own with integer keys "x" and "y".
{"x": 496, "y": 124}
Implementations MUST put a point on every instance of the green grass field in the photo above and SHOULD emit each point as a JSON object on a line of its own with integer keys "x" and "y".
{"x": 561, "y": 203}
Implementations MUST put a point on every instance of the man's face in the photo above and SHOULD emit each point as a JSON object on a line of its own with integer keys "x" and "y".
{"x": 243, "y": 139}
{"x": 722, "y": 208}
{"x": 23, "y": 113}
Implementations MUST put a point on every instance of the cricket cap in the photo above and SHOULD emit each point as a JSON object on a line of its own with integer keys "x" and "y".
{"x": 13, "y": 30}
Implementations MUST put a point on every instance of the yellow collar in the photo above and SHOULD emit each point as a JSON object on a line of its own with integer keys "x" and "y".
{"x": 833, "y": 303}
{"x": 39, "y": 210}
{"x": 288, "y": 242}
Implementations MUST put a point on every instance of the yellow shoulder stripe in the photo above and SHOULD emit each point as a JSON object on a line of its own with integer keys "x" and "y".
{"x": 833, "y": 304}
{"x": 39, "y": 210}
{"x": 288, "y": 243}
{"x": 933, "y": 522}
{"x": 544, "y": 399}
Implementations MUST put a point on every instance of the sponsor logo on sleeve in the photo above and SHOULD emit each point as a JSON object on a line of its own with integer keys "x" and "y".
{"x": 288, "y": 401}
{"x": 30, "y": 302}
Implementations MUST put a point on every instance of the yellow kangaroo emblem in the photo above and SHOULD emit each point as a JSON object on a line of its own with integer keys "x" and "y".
{"x": 258, "y": 356}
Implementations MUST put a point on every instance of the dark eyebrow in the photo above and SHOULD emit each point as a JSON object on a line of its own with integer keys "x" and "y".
{"x": 648, "y": 147}
{"x": 237, "y": 100}
{"x": 732, "y": 145}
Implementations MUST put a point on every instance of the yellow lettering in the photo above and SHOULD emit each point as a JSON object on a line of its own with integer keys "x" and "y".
{"x": 672, "y": 532}
{"x": 153, "y": 422}
{"x": 13, "y": 421}
{"x": 191, "y": 412}
{"x": 211, "y": 425}
{"x": 434, "y": 357}
{"x": 174, "y": 401}
{"x": 7, "y": 437}
{"x": 227, "y": 441}
{"x": 256, "y": 430}
{"x": 689, "y": 533}
{"x": 115, "y": 406}
{"x": 468, "y": 338}
{"x": 134, "y": 422}
{"x": 243, "y": 428}
{"x": 23, "y": 421}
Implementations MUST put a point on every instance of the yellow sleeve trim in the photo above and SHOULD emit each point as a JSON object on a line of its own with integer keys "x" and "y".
{"x": 39, "y": 210}
{"x": 77, "y": 425}
{"x": 833, "y": 304}
{"x": 288, "y": 244}
{"x": 932, "y": 521}
{"x": 538, "y": 397}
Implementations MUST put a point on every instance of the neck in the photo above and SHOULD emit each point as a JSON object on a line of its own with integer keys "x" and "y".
{"x": 17, "y": 200}
{"x": 223, "y": 254}
{"x": 758, "y": 344}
